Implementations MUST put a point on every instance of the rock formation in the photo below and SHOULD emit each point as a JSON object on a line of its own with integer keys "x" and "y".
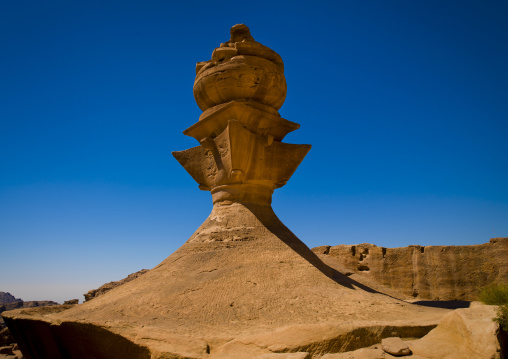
{"x": 395, "y": 346}
{"x": 8, "y": 346}
{"x": 6, "y": 297}
{"x": 243, "y": 285}
{"x": 94, "y": 293}
{"x": 432, "y": 272}
{"x": 462, "y": 334}
{"x": 19, "y": 303}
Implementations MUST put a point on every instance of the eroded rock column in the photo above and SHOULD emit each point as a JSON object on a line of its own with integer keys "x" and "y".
{"x": 241, "y": 157}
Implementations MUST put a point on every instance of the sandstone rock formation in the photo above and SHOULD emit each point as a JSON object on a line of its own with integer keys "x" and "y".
{"x": 462, "y": 334}
{"x": 8, "y": 346}
{"x": 6, "y": 337}
{"x": 432, "y": 272}
{"x": 11, "y": 352}
{"x": 94, "y": 293}
{"x": 243, "y": 285}
{"x": 7, "y": 341}
{"x": 71, "y": 301}
{"x": 6, "y": 297}
{"x": 21, "y": 304}
{"x": 395, "y": 346}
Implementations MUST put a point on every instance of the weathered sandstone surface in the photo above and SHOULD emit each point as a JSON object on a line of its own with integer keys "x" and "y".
{"x": 462, "y": 334}
{"x": 432, "y": 272}
{"x": 8, "y": 346}
{"x": 94, "y": 293}
{"x": 18, "y": 303}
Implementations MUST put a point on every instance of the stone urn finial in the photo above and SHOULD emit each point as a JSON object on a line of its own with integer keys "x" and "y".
{"x": 241, "y": 157}
{"x": 243, "y": 70}
{"x": 240, "y": 32}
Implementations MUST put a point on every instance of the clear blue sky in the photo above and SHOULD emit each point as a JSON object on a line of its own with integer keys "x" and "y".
{"x": 404, "y": 102}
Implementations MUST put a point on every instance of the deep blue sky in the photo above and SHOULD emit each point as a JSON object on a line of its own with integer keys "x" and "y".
{"x": 404, "y": 102}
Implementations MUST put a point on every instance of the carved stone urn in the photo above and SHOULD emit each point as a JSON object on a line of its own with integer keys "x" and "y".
{"x": 241, "y": 158}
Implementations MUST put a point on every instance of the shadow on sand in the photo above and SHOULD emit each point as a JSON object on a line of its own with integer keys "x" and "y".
{"x": 270, "y": 220}
{"x": 446, "y": 304}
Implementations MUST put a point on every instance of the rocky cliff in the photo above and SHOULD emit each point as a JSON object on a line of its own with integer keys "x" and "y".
{"x": 432, "y": 272}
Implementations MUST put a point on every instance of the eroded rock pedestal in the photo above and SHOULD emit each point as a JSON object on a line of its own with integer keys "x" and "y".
{"x": 243, "y": 285}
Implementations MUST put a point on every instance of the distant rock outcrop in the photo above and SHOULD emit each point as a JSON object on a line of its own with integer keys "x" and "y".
{"x": 94, "y": 293}
{"x": 71, "y": 301}
{"x": 10, "y": 302}
{"x": 432, "y": 272}
{"x": 6, "y": 297}
{"x": 21, "y": 304}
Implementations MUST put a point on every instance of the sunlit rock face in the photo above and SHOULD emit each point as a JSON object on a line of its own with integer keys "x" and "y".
{"x": 428, "y": 273}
